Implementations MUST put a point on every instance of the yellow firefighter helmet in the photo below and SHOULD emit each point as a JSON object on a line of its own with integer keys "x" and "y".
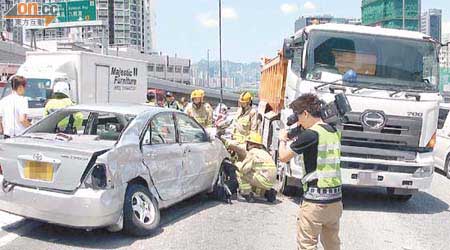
{"x": 245, "y": 97}
{"x": 198, "y": 93}
{"x": 255, "y": 138}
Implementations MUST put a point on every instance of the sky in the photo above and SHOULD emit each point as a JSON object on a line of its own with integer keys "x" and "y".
{"x": 251, "y": 29}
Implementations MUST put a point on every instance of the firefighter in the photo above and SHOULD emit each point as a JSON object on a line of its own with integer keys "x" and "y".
{"x": 257, "y": 172}
{"x": 199, "y": 110}
{"x": 245, "y": 121}
{"x": 171, "y": 102}
{"x": 151, "y": 99}
{"x": 61, "y": 99}
{"x": 319, "y": 143}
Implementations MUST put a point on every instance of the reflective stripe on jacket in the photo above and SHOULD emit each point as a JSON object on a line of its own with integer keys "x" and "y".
{"x": 259, "y": 163}
{"x": 244, "y": 123}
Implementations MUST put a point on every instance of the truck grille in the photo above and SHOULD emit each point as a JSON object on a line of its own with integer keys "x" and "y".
{"x": 398, "y": 133}
{"x": 379, "y": 167}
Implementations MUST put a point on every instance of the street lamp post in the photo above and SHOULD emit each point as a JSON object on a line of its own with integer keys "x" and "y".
{"x": 220, "y": 51}
{"x": 207, "y": 72}
{"x": 404, "y": 14}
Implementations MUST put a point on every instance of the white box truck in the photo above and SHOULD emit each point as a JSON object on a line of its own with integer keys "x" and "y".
{"x": 93, "y": 78}
{"x": 390, "y": 134}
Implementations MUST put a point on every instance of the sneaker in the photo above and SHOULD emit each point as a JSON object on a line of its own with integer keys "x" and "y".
{"x": 271, "y": 195}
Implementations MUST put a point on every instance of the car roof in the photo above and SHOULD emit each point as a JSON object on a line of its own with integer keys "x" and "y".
{"x": 118, "y": 108}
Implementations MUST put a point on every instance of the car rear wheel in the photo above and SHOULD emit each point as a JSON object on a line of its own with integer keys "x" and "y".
{"x": 140, "y": 211}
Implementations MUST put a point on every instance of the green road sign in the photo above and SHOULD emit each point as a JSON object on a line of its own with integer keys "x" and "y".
{"x": 74, "y": 11}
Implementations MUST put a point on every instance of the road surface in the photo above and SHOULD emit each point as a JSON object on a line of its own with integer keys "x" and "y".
{"x": 370, "y": 221}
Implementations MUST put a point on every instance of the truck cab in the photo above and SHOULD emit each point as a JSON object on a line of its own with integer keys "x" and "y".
{"x": 388, "y": 138}
{"x": 41, "y": 77}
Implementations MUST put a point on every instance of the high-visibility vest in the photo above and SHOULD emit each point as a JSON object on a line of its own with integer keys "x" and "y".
{"x": 328, "y": 171}
{"x": 153, "y": 104}
{"x": 54, "y": 105}
{"x": 173, "y": 105}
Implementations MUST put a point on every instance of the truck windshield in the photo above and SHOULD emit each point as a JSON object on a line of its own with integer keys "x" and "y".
{"x": 37, "y": 91}
{"x": 380, "y": 62}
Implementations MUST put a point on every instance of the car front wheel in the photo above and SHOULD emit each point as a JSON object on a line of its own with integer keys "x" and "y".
{"x": 141, "y": 212}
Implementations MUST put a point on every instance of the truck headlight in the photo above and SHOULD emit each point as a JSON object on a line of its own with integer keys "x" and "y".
{"x": 423, "y": 172}
{"x": 99, "y": 177}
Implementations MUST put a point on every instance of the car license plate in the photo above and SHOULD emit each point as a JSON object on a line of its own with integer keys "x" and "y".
{"x": 367, "y": 178}
{"x": 42, "y": 171}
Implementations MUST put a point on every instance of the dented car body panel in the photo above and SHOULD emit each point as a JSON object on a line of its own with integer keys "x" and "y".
{"x": 73, "y": 195}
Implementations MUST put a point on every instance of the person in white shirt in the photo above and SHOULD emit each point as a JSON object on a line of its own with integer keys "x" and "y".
{"x": 14, "y": 109}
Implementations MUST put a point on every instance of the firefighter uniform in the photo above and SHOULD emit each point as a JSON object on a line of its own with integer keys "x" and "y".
{"x": 246, "y": 120}
{"x": 322, "y": 207}
{"x": 243, "y": 124}
{"x": 202, "y": 112}
{"x": 257, "y": 172}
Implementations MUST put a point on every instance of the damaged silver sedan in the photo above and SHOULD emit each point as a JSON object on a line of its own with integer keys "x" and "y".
{"x": 91, "y": 166}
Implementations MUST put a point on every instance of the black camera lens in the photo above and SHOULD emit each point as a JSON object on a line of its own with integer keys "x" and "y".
{"x": 292, "y": 119}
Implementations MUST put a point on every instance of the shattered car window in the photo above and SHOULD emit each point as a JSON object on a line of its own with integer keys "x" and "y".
{"x": 107, "y": 126}
{"x": 162, "y": 130}
{"x": 189, "y": 130}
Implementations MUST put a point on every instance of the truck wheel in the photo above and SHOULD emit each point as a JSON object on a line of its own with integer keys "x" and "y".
{"x": 140, "y": 211}
{"x": 285, "y": 189}
{"x": 398, "y": 197}
{"x": 447, "y": 167}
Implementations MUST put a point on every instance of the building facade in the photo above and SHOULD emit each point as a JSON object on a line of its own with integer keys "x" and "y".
{"x": 389, "y": 13}
{"x": 431, "y": 24}
{"x": 130, "y": 23}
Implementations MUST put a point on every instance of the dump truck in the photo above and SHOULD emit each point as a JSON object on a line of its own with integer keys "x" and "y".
{"x": 388, "y": 137}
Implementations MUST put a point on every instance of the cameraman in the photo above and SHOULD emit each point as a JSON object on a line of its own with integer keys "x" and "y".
{"x": 319, "y": 143}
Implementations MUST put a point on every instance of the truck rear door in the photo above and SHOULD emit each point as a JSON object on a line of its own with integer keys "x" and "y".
{"x": 102, "y": 84}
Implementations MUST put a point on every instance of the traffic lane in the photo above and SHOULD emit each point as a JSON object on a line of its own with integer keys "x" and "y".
{"x": 198, "y": 223}
{"x": 370, "y": 221}
{"x": 373, "y": 221}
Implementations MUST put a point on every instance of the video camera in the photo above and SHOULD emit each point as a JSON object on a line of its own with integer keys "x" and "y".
{"x": 331, "y": 113}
